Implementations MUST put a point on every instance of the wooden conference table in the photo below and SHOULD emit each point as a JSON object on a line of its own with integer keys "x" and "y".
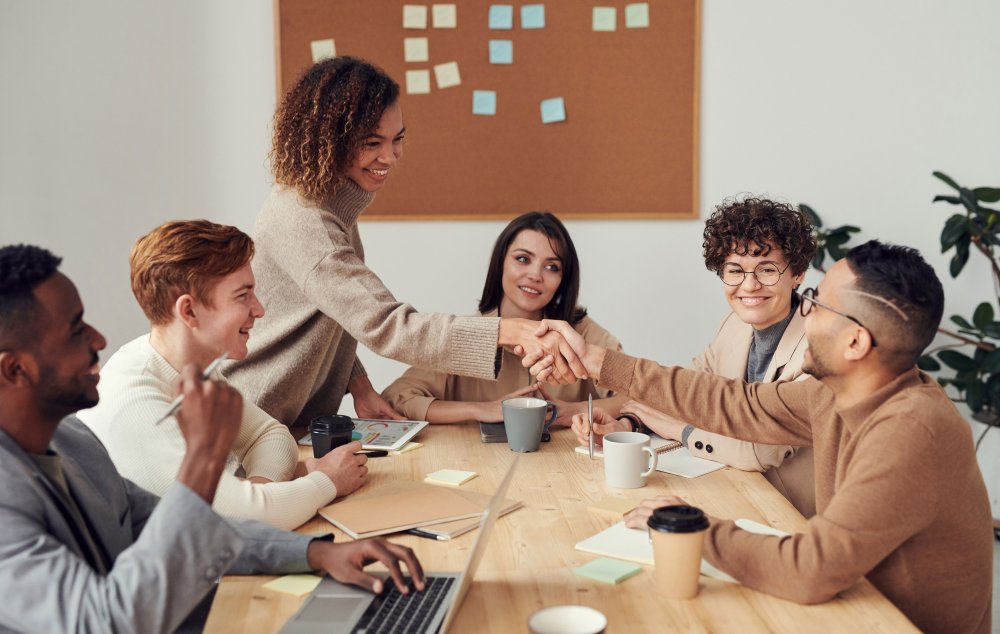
{"x": 530, "y": 559}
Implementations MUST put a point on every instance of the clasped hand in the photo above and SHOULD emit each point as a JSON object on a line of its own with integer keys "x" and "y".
{"x": 552, "y": 349}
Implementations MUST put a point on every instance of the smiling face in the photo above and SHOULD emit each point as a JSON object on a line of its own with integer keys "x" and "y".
{"x": 224, "y": 322}
{"x": 758, "y": 305}
{"x": 379, "y": 152}
{"x": 532, "y": 272}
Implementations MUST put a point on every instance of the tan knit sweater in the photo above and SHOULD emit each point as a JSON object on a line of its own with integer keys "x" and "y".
{"x": 899, "y": 496}
{"x": 321, "y": 300}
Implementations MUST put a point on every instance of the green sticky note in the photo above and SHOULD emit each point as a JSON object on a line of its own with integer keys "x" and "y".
{"x": 608, "y": 570}
{"x": 637, "y": 15}
{"x": 604, "y": 18}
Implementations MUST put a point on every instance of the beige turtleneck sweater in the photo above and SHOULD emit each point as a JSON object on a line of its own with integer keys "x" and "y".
{"x": 321, "y": 300}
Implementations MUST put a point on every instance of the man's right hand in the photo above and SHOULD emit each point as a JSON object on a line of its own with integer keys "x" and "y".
{"x": 604, "y": 424}
{"x": 346, "y": 470}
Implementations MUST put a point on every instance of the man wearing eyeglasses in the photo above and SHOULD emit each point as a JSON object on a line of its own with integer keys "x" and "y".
{"x": 899, "y": 496}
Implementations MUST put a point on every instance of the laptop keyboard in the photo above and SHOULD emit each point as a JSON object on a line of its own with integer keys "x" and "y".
{"x": 394, "y": 612}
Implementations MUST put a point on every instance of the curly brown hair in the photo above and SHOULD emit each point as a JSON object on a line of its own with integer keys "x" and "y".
{"x": 324, "y": 120}
{"x": 737, "y": 223}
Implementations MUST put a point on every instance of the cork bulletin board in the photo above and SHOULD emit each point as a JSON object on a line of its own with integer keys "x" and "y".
{"x": 627, "y": 146}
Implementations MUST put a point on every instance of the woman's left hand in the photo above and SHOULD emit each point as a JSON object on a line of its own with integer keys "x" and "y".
{"x": 368, "y": 403}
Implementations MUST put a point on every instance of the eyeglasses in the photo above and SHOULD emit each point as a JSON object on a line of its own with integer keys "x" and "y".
{"x": 809, "y": 298}
{"x": 767, "y": 274}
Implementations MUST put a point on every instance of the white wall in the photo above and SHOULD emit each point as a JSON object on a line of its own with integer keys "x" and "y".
{"x": 118, "y": 115}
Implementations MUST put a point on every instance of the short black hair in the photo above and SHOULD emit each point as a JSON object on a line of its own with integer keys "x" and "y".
{"x": 902, "y": 277}
{"x": 22, "y": 268}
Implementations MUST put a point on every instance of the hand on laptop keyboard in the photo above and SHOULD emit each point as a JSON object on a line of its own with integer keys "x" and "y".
{"x": 345, "y": 563}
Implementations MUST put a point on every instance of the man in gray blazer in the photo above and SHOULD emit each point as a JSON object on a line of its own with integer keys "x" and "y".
{"x": 81, "y": 548}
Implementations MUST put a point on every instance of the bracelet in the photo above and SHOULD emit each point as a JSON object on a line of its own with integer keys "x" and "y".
{"x": 634, "y": 421}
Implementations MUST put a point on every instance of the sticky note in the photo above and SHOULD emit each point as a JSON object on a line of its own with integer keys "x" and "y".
{"x": 533, "y": 16}
{"x": 501, "y": 52}
{"x": 613, "y": 506}
{"x": 484, "y": 102}
{"x": 637, "y": 16}
{"x": 501, "y": 16}
{"x": 410, "y": 446}
{"x": 447, "y": 75}
{"x": 553, "y": 110}
{"x": 445, "y": 16}
{"x": 608, "y": 570}
{"x": 297, "y": 585}
{"x": 450, "y": 477}
{"x": 415, "y": 49}
{"x": 414, "y": 16}
{"x": 605, "y": 18}
{"x": 322, "y": 49}
{"x": 418, "y": 82}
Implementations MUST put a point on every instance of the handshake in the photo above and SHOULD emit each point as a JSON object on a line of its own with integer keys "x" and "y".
{"x": 552, "y": 350}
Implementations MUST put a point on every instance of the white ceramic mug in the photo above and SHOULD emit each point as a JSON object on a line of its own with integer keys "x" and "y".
{"x": 568, "y": 619}
{"x": 625, "y": 465}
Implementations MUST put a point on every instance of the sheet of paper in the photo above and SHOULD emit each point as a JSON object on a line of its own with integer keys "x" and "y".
{"x": 450, "y": 477}
{"x": 296, "y": 585}
{"x": 447, "y": 75}
{"x": 637, "y": 15}
{"x": 680, "y": 462}
{"x": 323, "y": 49}
{"x": 606, "y": 570}
{"x": 533, "y": 16}
{"x": 484, "y": 102}
{"x": 502, "y": 16}
{"x": 445, "y": 16}
{"x": 553, "y": 110}
{"x": 501, "y": 52}
{"x": 414, "y": 16}
{"x": 418, "y": 82}
{"x": 605, "y": 18}
{"x": 415, "y": 49}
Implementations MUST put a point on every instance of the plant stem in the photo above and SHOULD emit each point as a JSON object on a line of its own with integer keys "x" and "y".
{"x": 988, "y": 347}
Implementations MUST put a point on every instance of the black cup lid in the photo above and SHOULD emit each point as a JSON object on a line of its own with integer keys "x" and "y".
{"x": 331, "y": 423}
{"x": 678, "y": 519}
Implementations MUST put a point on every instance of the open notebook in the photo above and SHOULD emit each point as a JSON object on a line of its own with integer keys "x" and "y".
{"x": 672, "y": 457}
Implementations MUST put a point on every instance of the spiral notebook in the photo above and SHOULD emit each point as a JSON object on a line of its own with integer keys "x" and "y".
{"x": 672, "y": 457}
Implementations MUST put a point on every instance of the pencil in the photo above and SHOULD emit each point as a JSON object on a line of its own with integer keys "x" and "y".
{"x": 176, "y": 403}
{"x": 590, "y": 421}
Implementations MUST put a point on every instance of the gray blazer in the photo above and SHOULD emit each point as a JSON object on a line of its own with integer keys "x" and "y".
{"x": 167, "y": 553}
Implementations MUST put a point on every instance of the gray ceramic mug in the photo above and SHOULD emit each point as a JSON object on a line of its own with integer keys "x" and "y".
{"x": 524, "y": 421}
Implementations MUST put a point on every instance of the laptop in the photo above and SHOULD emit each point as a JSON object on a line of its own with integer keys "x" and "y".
{"x": 334, "y": 607}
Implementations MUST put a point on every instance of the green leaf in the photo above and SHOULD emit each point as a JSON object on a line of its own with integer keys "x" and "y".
{"x": 927, "y": 363}
{"x": 987, "y": 194}
{"x": 958, "y": 261}
{"x": 845, "y": 229}
{"x": 811, "y": 215}
{"x": 968, "y": 200}
{"x": 974, "y": 395}
{"x": 954, "y": 228}
{"x": 992, "y": 330}
{"x": 817, "y": 261}
{"x": 947, "y": 179}
{"x": 837, "y": 239}
{"x": 991, "y": 363}
{"x": 983, "y": 315}
{"x": 956, "y": 360}
{"x": 960, "y": 321}
{"x": 955, "y": 200}
{"x": 836, "y": 252}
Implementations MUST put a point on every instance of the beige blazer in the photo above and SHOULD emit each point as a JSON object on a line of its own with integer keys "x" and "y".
{"x": 789, "y": 469}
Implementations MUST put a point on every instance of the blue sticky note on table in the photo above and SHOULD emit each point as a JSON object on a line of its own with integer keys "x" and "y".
{"x": 502, "y": 16}
{"x": 501, "y": 52}
{"x": 484, "y": 102}
{"x": 608, "y": 570}
{"x": 533, "y": 16}
{"x": 553, "y": 110}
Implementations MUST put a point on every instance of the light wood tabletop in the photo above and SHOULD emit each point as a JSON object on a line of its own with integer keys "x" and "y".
{"x": 530, "y": 559}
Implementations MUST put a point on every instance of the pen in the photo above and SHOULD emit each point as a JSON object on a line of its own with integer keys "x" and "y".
{"x": 176, "y": 403}
{"x": 590, "y": 421}
{"x": 425, "y": 534}
{"x": 377, "y": 453}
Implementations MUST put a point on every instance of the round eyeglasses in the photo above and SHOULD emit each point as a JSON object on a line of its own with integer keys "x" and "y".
{"x": 808, "y": 299}
{"x": 767, "y": 274}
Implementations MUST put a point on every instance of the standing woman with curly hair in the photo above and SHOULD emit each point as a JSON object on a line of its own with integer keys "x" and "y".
{"x": 760, "y": 250}
{"x": 338, "y": 135}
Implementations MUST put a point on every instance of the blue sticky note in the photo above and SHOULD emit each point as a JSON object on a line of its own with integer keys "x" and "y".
{"x": 553, "y": 110}
{"x": 502, "y": 16}
{"x": 533, "y": 16}
{"x": 484, "y": 102}
{"x": 501, "y": 52}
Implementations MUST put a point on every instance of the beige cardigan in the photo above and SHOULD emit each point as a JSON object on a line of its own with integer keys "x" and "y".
{"x": 321, "y": 300}
{"x": 412, "y": 393}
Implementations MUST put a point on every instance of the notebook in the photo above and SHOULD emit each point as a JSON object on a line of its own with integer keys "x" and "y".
{"x": 673, "y": 458}
{"x": 450, "y": 530}
{"x": 656, "y": 443}
{"x": 393, "y": 512}
{"x": 492, "y": 432}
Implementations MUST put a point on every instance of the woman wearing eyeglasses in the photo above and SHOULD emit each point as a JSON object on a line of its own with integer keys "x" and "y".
{"x": 760, "y": 250}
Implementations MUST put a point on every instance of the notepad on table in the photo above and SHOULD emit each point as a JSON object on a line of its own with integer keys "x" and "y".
{"x": 450, "y": 477}
{"x": 450, "y": 530}
{"x": 657, "y": 443}
{"x": 295, "y": 585}
{"x": 680, "y": 462}
{"x": 379, "y": 514}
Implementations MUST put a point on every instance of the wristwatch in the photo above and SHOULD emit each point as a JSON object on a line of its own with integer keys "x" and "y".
{"x": 634, "y": 421}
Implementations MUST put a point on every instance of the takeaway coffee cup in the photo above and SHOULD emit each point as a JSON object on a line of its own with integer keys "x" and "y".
{"x": 524, "y": 421}
{"x": 628, "y": 460}
{"x": 677, "y": 534}
{"x": 567, "y": 619}
{"x": 329, "y": 432}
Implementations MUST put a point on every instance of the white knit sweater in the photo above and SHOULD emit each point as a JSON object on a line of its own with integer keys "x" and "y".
{"x": 136, "y": 388}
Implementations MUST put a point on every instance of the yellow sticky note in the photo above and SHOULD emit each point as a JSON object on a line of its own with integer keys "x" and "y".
{"x": 447, "y": 75}
{"x": 414, "y": 16}
{"x": 418, "y": 82}
{"x": 445, "y": 16}
{"x": 415, "y": 49}
{"x": 297, "y": 585}
{"x": 410, "y": 446}
{"x": 322, "y": 49}
{"x": 450, "y": 477}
